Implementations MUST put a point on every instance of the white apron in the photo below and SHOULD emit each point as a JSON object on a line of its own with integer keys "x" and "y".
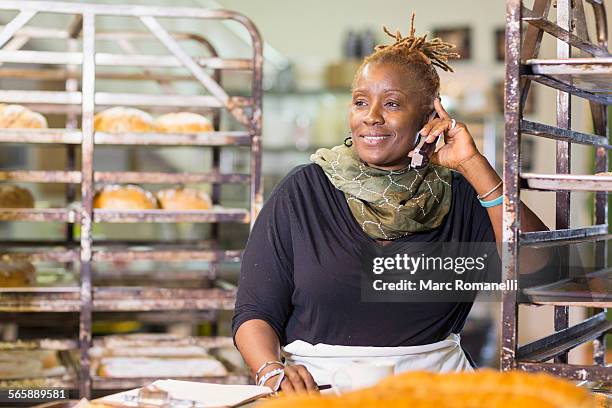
{"x": 322, "y": 360}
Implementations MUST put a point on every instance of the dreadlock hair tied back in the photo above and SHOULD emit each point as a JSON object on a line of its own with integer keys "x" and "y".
{"x": 418, "y": 55}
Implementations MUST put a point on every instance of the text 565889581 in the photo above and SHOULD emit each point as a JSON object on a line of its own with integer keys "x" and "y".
{"x": 32, "y": 395}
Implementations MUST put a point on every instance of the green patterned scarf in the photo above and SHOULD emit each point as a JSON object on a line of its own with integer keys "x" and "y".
{"x": 388, "y": 204}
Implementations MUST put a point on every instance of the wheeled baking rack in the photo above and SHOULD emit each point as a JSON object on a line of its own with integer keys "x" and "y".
{"x": 80, "y": 67}
{"x": 587, "y": 76}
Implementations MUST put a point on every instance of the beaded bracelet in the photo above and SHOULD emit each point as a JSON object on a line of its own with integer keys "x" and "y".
{"x": 270, "y": 374}
{"x": 263, "y": 366}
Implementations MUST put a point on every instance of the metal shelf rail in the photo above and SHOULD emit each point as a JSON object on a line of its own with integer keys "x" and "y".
{"x": 589, "y": 76}
{"x": 80, "y": 67}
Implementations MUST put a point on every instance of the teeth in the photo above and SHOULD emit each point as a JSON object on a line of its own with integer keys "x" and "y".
{"x": 375, "y": 137}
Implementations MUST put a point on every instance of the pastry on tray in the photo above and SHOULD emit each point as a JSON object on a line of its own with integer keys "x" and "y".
{"x": 127, "y": 197}
{"x": 183, "y": 122}
{"x": 20, "y": 117}
{"x": 154, "y": 367}
{"x": 182, "y": 198}
{"x": 484, "y": 388}
{"x": 120, "y": 119}
{"x": 151, "y": 350}
{"x": 16, "y": 273}
{"x": 24, "y": 364}
{"x": 12, "y": 196}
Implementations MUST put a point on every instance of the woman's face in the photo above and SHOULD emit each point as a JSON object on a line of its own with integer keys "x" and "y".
{"x": 386, "y": 114}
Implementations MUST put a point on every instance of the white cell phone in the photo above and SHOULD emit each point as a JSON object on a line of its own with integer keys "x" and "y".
{"x": 423, "y": 151}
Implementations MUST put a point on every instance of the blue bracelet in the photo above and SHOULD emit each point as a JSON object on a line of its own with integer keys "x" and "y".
{"x": 492, "y": 203}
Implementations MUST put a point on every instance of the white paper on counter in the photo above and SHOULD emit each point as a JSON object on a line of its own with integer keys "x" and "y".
{"x": 206, "y": 395}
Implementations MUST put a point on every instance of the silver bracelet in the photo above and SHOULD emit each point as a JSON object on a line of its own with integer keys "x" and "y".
{"x": 488, "y": 193}
{"x": 263, "y": 366}
{"x": 270, "y": 374}
{"x": 281, "y": 377}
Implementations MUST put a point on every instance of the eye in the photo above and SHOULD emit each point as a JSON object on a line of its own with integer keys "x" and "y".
{"x": 359, "y": 102}
{"x": 393, "y": 104}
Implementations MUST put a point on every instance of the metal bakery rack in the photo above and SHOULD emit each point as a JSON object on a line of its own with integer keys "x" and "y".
{"x": 81, "y": 66}
{"x": 589, "y": 76}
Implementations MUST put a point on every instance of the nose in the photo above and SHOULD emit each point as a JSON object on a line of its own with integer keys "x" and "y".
{"x": 374, "y": 116}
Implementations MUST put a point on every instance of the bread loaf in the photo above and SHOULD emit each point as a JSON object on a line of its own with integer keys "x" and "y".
{"x": 120, "y": 119}
{"x": 12, "y": 196}
{"x": 22, "y": 364}
{"x": 17, "y": 116}
{"x": 16, "y": 273}
{"x": 128, "y": 197}
{"x": 183, "y": 199}
{"x": 183, "y": 122}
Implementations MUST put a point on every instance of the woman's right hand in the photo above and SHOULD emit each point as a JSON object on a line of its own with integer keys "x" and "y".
{"x": 297, "y": 380}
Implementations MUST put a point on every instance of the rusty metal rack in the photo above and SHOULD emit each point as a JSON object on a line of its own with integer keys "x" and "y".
{"x": 80, "y": 67}
{"x": 589, "y": 76}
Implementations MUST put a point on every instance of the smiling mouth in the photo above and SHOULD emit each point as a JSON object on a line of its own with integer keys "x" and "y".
{"x": 375, "y": 139}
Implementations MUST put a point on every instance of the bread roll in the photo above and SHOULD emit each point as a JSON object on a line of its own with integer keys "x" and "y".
{"x": 12, "y": 196}
{"x": 120, "y": 119}
{"x": 17, "y": 116}
{"x": 183, "y": 122}
{"x": 183, "y": 199}
{"x": 16, "y": 273}
{"x": 128, "y": 197}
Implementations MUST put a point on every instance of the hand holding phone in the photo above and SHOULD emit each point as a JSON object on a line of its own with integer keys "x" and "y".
{"x": 423, "y": 151}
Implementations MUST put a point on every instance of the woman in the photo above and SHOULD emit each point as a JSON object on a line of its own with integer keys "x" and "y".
{"x": 299, "y": 283}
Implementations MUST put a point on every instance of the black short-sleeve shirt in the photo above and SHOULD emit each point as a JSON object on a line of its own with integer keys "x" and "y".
{"x": 301, "y": 267}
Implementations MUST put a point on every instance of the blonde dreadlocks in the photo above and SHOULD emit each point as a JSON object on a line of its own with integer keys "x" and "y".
{"x": 418, "y": 55}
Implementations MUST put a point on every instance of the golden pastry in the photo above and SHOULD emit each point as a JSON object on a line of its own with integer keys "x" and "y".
{"x": 128, "y": 197}
{"x": 20, "y": 117}
{"x": 120, "y": 119}
{"x": 183, "y": 199}
{"x": 183, "y": 122}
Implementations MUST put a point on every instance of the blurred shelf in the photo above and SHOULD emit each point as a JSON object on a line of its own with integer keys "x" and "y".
{"x": 170, "y": 254}
{"x": 169, "y": 178}
{"x": 47, "y": 382}
{"x": 101, "y": 383}
{"x": 565, "y": 236}
{"x": 164, "y": 216}
{"x": 560, "y": 342}
{"x": 34, "y": 254}
{"x": 35, "y": 176}
{"x": 566, "y": 135}
{"x": 41, "y": 136}
{"x": 108, "y": 299}
{"x": 592, "y": 290}
{"x": 222, "y": 138}
{"x": 40, "y": 214}
{"x": 46, "y": 344}
{"x": 589, "y": 78}
{"x": 567, "y": 182}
